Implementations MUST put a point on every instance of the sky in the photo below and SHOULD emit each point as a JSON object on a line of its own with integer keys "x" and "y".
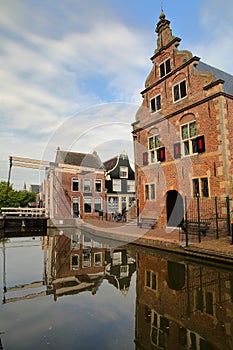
{"x": 72, "y": 71}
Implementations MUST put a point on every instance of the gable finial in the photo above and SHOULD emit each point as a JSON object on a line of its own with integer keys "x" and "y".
{"x": 161, "y": 7}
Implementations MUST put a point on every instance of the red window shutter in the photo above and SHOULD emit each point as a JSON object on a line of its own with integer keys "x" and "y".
{"x": 200, "y": 144}
{"x": 177, "y": 153}
{"x": 145, "y": 158}
{"x": 161, "y": 154}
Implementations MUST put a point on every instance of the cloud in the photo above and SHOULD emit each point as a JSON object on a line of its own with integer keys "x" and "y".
{"x": 59, "y": 59}
{"x": 215, "y": 44}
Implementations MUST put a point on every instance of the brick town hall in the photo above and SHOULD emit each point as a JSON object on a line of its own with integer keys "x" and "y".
{"x": 183, "y": 133}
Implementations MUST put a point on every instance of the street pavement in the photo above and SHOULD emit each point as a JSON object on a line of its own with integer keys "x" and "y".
{"x": 172, "y": 239}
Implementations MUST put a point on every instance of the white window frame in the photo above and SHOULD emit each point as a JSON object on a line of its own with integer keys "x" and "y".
{"x": 88, "y": 190}
{"x": 201, "y": 193}
{"x": 116, "y": 185}
{"x": 157, "y": 103}
{"x": 165, "y": 67}
{"x": 98, "y": 202}
{"x": 116, "y": 258}
{"x": 74, "y": 242}
{"x": 74, "y": 180}
{"x": 179, "y": 91}
{"x": 86, "y": 263}
{"x": 152, "y": 151}
{"x": 124, "y": 172}
{"x": 150, "y": 286}
{"x": 157, "y": 330}
{"x": 87, "y": 200}
{"x": 75, "y": 200}
{"x": 130, "y": 186}
{"x": 100, "y": 262}
{"x": 98, "y": 181}
{"x": 150, "y": 192}
{"x": 74, "y": 267}
{"x": 187, "y": 143}
{"x": 124, "y": 271}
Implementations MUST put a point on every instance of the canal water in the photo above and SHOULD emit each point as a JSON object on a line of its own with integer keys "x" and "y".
{"x": 75, "y": 292}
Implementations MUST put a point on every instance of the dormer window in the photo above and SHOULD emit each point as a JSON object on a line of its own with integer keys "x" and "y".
{"x": 165, "y": 68}
{"x": 155, "y": 104}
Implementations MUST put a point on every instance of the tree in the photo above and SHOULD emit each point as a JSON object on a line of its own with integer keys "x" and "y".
{"x": 11, "y": 198}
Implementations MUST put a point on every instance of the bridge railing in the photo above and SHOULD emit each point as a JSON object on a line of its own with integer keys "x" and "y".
{"x": 23, "y": 212}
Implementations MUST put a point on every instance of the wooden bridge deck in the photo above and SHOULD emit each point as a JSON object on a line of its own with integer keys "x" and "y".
{"x": 22, "y": 221}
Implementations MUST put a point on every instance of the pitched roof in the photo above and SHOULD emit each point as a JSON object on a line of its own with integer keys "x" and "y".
{"x": 110, "y": 164}
{"x": 218, "y": 74}
{"x": 80, "y": 159}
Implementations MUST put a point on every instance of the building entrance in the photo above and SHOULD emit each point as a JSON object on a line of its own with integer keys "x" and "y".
{"x": 175, "y": 208}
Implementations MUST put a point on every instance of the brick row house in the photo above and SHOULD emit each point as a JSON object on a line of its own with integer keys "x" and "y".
{"x": 120, "y": 184}
{"x": 80, "y": 185}
{"x": 76, "y": 185}
{"x": 77, "y": 263}
{"x": 183, "y": 133}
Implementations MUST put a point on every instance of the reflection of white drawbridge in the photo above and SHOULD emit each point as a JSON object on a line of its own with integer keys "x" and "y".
{"x": 1, "y": 346}
{"x": 27, "y": 291}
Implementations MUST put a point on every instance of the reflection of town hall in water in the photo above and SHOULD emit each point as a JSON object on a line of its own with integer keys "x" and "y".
{"x": 182, "y": 306}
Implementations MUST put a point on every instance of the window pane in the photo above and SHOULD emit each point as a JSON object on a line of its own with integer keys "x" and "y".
{"x": 183, "y": 89}
{"x": 75, "y": 185}
{"x": 204, "y": 187}
{"x": 97, "y": 259}
{"x": 155, "y": 320}
{"x": 154, "y": 335}
{"x": 98, "y": 185}
{"x": 194, "y": 145}
{"x": 199, "y": 300}
{"x": 176, "y": 92}
{"x": 195, "y": 187}
{"x": 116, "y": 185}
{"x": 209, "y": 303}
{"x": 168, "y": 66}
{"x": 186, "y": 148}
{"x": 130, "y": 186}
{"x": 158, "y": 102}
{"x": 123, "y": 172}
{"x": 152, "y": 105}
{"x": 152, "y": 191}
{"x": 87, "y": 186}
{"x": 184, "y": 131}
{"x": 74, "y": 262}
{"x": 161, "y": 339}
{"x": 157, "y": 141}
{"x": 97, "y": 204}
{"x": 86, "y": 259}
{"x": 153, "y": 282}
{"x": 192, "y": 129}
{"x": 182, "y": 336}
{"x": 193, "y": 341}
{"x": 151, "y": 142}
{"x": 148, "y": 278}
{"x": 162, "y": 70}
{"x": 152, "y": 156}
{"x": 146, "y": 191}
{"x": 87, "y": 205}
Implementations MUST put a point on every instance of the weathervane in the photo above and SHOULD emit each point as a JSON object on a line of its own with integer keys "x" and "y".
{"x": 161, "y": 6}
